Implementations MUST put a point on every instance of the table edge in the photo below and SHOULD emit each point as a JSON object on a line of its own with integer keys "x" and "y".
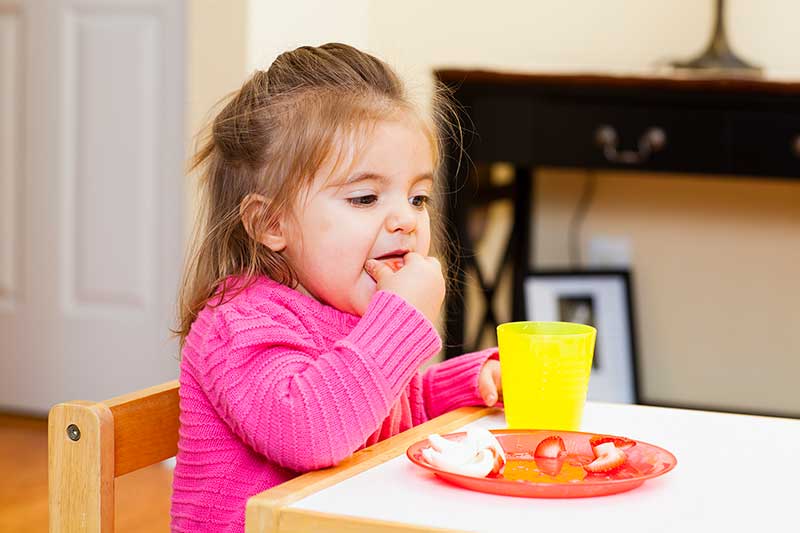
{"x": 299, "y": 520}
{"x": 264, "y": 510}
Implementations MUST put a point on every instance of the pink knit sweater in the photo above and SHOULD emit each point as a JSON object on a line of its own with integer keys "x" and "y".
{"x": 274, "y": 383}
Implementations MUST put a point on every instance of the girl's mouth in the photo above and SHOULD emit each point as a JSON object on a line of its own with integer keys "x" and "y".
{"x": 393, "y": 259}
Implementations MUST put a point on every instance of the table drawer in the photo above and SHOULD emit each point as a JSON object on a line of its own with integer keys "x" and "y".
{"x": 657, "y": 138}
{"x": 765, "y": 143}
{"x": 499, "y": 128}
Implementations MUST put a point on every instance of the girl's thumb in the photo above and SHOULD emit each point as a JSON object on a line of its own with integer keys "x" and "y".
{"x": 376, "y": 269}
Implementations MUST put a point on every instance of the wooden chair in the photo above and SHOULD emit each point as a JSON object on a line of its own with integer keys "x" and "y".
{"x": 92, "y": 443}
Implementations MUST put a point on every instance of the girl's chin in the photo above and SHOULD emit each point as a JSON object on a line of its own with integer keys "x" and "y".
{"x": 365, "y": 293}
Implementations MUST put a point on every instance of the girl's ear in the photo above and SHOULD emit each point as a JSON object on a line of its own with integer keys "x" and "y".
{"x": 252, "y": 211}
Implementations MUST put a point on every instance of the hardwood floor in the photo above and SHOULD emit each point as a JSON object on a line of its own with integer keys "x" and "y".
{"x": 142, "y": 499}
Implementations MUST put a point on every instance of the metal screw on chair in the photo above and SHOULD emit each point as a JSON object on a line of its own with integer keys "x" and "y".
{"x": 73, "y": 432}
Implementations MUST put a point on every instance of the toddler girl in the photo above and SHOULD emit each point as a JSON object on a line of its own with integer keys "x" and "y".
{"x": 306, "y": 310}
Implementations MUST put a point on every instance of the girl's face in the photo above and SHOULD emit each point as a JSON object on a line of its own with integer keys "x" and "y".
{"x": 374, "y": 205}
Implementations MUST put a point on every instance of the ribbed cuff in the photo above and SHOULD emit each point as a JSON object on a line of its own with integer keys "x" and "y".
{"x": 398, "y": 336}
{"x": 454, "y": 382}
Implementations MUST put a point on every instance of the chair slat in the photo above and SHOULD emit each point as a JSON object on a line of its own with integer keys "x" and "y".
{"x": 145, "y": 427}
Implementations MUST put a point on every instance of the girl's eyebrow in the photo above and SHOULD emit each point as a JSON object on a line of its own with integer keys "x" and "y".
{"x": 366, "y": 176}
{"x": 422, "y": 177}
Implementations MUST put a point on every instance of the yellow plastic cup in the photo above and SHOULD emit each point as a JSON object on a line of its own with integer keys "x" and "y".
{"x": 545, "y": 369}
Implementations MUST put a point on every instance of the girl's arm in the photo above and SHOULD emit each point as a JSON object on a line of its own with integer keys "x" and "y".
{"x": 303, "y": 409}
{"x": 454, "y": 382}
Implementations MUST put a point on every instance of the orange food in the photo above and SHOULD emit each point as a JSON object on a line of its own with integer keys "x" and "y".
{"x": 395, "y": 264}
{"x": 543, "y": 470}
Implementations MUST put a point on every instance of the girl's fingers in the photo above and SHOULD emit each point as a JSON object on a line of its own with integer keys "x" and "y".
{"x": 411, "y": 257}
{"x": 414, "y": 257}
{"x": 433, "y": 260}
{"x": 376, "y": 269}
{"x": 496, "y": 377}
{"x": 486, "y": 384}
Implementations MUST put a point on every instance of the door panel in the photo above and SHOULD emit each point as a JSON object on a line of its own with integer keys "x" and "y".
{"x": 99, "y": 240}
{"x": 10, "y": 100}
{"x": 112, "y": 69}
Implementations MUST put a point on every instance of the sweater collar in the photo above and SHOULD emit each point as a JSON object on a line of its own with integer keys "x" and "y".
{"x": 265, "y": 287}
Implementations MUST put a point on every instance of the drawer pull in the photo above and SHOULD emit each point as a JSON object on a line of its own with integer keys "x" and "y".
{"x": 796, "y": 146}
{"x": 651, "y": 141}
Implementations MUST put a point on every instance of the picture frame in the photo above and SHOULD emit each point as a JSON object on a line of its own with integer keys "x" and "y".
{"x": 600, "y": 298}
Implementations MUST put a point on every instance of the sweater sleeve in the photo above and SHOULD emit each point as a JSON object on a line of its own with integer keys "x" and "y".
{"x": 454, "y": 383}
{"x": 304, "y": 408}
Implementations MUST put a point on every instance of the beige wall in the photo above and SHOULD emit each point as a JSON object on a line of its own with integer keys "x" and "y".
{"x": 619, "y": 35}
{"x": 274, "y": 27}
{"x": 217, "y": 47}
{"x": 714, "y": 259}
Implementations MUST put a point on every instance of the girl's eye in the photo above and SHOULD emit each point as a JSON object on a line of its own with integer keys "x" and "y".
{"x": 419, "y": 200}
{"x": 363, "y": 201}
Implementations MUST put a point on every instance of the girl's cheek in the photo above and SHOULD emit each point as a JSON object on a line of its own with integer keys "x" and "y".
{"x": 426, "y": 223}
{"x": 425, "y": 246}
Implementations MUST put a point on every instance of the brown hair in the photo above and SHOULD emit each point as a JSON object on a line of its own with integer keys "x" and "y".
{"x": 270, "y": 138}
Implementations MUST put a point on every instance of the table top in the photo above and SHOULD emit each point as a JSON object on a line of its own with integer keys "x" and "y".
{"x": 733, "y": 471}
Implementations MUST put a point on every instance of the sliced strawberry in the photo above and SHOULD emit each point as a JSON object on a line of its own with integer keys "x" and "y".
{"x": 499, "y": 461}
{"x": 609, "y": 458}
{"x": 548, "y": 465}
{"x": 605, "y": 464}
{"x": 620, "y": 442}
{"x": 550, "y": 447}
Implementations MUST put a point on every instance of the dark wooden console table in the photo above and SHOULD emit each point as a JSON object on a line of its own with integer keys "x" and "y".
{"x": 748, "y": 127}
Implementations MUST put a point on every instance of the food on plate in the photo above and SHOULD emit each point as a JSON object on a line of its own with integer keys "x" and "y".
{"x": 550, "y": 447}
{"x": 550, "y": 466}
{"x": 544, "y": 470}
{"x": 478, "y": 454}
{"x": 620, "y": 442}
{"x": 607, "y": 458}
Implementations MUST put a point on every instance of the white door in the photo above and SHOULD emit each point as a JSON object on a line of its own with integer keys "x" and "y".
{"x": 91, "y": 193}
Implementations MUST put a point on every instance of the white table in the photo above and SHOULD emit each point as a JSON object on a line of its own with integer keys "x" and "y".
{"x": 734, "y": 473}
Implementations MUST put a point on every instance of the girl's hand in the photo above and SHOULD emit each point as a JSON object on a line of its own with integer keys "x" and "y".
{"x": 489, "y": 383}
{"x": 420, "y": 282}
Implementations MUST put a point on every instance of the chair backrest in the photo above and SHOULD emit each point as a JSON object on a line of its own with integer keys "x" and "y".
{"x": 92, "y": 443}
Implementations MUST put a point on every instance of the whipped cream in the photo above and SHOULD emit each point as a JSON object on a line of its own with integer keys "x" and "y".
{"x": 478, "y": 454}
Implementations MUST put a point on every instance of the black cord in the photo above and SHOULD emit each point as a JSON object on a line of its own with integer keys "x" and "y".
{"x": 581, "y": 208}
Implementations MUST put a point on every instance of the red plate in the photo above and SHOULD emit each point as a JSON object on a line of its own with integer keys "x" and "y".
{"x": 526, "y": 476}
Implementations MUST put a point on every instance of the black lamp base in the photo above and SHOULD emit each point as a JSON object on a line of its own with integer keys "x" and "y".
{"x": 718, "y": 57}
{"x": 719, "y": 62}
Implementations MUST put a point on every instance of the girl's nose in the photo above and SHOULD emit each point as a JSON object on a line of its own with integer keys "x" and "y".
{"x": 402, "y": 218}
